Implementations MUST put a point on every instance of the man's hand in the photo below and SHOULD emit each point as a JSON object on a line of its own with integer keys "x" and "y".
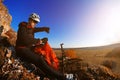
{"x": 46, "y": 29}
{"x": 44, "y": 40}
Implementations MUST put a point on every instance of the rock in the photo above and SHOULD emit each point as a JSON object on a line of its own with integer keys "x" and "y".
{"x": 11, "y": 68}
{"x": 12, "y": 36}
{"x": 1, "y": 56}
{"x": 5, "y": 17}
{"x": 5, "y": 21}
{"x": 1, "y": 0}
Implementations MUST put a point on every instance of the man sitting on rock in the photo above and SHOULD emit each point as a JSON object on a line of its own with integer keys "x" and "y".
{"x": 29, "y": 48}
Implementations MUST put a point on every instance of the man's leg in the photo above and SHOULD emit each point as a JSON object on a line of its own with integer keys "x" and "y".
{"x": 38, "y": 60}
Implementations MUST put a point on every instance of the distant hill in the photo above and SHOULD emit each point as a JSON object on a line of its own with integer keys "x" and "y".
{"x": 94, "y": 50}
{"x": 101, "y": 47}
{"x": 97, "y": 47}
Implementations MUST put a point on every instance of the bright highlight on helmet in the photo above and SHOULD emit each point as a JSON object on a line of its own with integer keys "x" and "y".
{"x": 35, "y": 17}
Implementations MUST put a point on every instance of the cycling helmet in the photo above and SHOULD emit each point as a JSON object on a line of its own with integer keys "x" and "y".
{"x": 35, "y": 17}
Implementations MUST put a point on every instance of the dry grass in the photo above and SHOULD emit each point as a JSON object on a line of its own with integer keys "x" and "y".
{"x": 97, "y": 56}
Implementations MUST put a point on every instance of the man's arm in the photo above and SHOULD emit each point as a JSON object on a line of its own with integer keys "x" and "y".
{"x": 41, "y": 29}
{"x": 24, "y": 37}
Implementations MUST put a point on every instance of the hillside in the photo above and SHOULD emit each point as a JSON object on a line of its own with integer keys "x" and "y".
{"x": 98, "y": 55}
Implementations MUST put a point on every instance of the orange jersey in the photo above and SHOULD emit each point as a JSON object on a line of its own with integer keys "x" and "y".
{"x": 49, "y": 55}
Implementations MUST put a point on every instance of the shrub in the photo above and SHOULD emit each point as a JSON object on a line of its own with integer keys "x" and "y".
{"x": 109, "y": 63}
{"x": 70, "y": 53}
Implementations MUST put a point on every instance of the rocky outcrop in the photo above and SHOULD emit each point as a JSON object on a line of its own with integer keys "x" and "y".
{"x": 5, "y": 17}
{"x": 11, "y": 68}
{"x": 5, "y": 21}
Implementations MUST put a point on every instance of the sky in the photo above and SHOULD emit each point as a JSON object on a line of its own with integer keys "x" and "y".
{"x": 76, "y": 23}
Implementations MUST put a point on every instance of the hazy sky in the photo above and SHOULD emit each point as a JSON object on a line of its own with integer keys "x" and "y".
{"x": 76, "y": 23}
